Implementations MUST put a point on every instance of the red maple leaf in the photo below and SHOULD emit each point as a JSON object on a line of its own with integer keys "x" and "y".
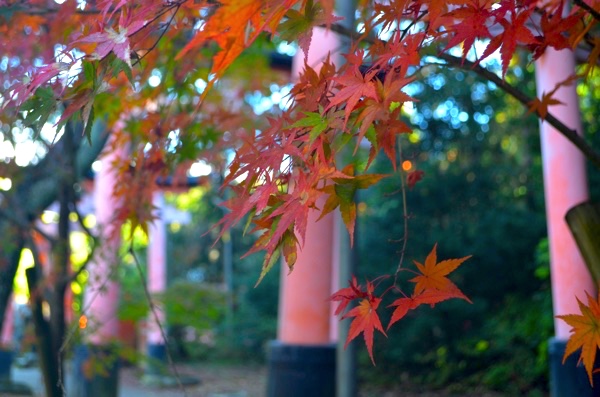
{"x": 413, "y": 177}
{"x": 347, "y": 295}
{"x": 473, "y": 19}
{"x": 366, "y": 320}
{"x": 429, "y": 297}
{"x": 354, "y": 87}
{"x": 515, "y": 31}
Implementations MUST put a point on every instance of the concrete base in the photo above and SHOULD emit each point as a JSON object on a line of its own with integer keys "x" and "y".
{"x": 299, "y": 371}
{"x": 569, "y": 379}
{"x": 95, "y": 371}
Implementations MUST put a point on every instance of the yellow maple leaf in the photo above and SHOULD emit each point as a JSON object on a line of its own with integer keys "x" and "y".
{"x": 585, "y": 334}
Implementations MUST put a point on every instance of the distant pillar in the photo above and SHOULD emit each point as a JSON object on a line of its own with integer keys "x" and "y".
{"x": 101, "y": 299}
{"x": 565, "y": 185}
{"x": 7, "y": 354}
{"x": 157, "y": 284}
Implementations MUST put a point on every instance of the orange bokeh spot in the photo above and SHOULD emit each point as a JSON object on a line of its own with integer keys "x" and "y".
{"x": 82, "y": 322}
{"x": 406, "y": 165}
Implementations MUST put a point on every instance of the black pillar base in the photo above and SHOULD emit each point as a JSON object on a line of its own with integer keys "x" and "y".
{"x": 6, "y": 360}
{"x": 157, "y": 359}
{"x": 569, "y": 379}
{"x": 96, "y": 371}
{"x": 300, "y": 371}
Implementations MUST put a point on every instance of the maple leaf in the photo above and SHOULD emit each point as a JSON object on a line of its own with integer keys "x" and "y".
{"x": 515, "y": 31}
{"x": 342, "y": 194}
{"x": 229, "y": 27}
{"x": 113, "y": 40}
{"x": 413, "y": 177}
{"x": 366, "y": 320}
{"x": 585, "y": 333}
{"x": 299, "y": 26}
{"x": 347, "y": 295}
{"x": 540, "y": 107}
{"x": 433, "y": 274}
{"x": 473, "y": 19}
{"x": 355, "y": 86}
{"x": 39, "y": 78}
{"x": 315, "y": 121}
{"x": 429, "y": 296}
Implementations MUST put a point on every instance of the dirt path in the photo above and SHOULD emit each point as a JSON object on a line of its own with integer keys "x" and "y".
{"x": 215, "y": 381}
{"x": 245, "y": 381}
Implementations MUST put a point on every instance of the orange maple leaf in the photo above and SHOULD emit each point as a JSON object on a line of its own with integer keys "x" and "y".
{"x": 585, "y": 333}
{"x": 429, "y": 297}
{"x": 433, "y": 274}
{"x": 366, "y": 320}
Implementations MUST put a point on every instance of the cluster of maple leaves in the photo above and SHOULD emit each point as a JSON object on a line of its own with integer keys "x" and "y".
{"x": 286, "y": 166}
{"x": 431, "y": 287}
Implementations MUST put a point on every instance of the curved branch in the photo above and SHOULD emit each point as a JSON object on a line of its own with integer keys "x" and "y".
{"x": 588, "y": 8}
{"x": 589, "y": 152}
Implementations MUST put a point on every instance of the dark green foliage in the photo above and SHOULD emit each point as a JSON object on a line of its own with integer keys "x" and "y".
{"x": 482, "y": 195}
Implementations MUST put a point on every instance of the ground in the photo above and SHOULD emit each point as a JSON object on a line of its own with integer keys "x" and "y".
{"x": 250, "y": 381}
{"x": 217, "y": 380}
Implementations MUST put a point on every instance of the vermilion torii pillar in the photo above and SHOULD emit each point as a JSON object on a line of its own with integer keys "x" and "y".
{"x": 302, "y": 359}
{"x": 565, "y": 185}
{"x": 101, "y": 299}
{"x": 157, "y": 283}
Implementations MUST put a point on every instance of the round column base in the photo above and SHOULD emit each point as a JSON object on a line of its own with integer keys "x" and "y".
{"x": 569, "y": 379}
{"x": 301, "y": 370}
{"x": 96, "y": 371}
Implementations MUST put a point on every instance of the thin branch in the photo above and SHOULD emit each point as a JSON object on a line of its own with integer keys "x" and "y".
{"x": 589, "y": 9}
{"x": 571, "y": 134}
{"x": 404, "y": 214}
{"x": 94, "y": 245}
{"x": 167, "y": 25}
{"x": 156, "y": 318}
{"x": 17, "y": 221}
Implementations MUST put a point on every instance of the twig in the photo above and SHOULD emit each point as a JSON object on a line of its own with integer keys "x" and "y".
{"x": 589, "y": 9}
{"x": 156, "y": 318}
{"x": 404, "y": 213}
{"x": 94, "y": 245}
{"x": 10, "y": 216}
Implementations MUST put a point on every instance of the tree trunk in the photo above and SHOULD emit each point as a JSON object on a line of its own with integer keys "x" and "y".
{"x": 37, "y": 187}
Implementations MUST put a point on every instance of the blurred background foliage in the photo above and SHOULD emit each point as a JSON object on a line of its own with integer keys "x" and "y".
{"x": 482, "y": 195}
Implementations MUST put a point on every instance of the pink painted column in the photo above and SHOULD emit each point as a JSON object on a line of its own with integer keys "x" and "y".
{"x": 565, "y": 185}
{"x": 302, "y": 359}
{"x": 102, "y": 291}
{"x": 304, "y": 306}
{"x": 157, "y": 280}
{"x": 101, "y": 299}
{"x": 6, "y": 337}
{"x": 304, "y": 309}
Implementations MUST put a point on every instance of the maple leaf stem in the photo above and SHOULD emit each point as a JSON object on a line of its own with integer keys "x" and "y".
{"x": 589, "y": 152}
{"x": 412, "y": 24}
{"x": 174, "y": 6}
{"x": 404, "y": 212}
